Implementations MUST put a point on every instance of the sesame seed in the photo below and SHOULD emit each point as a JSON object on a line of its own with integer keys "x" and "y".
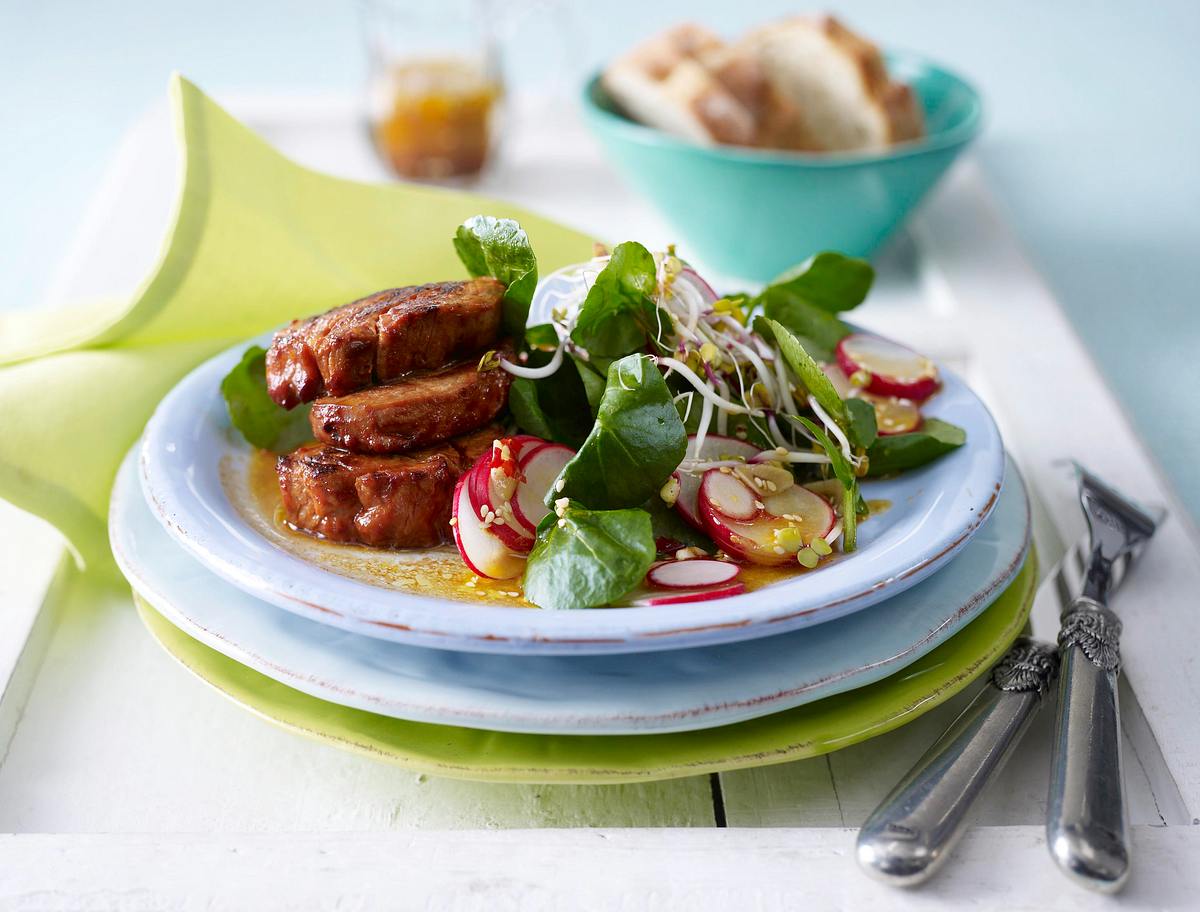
{"x": 454, "y": 520}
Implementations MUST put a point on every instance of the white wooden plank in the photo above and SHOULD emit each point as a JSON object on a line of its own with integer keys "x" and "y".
{"x": 777, "y": 870}
{"x": 116, "y": 737}
{"x": 844, "y": 787}
{"x": 1058, "y": 405}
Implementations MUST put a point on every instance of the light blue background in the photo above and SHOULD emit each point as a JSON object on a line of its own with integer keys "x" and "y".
{"x": 1092, "y": 141}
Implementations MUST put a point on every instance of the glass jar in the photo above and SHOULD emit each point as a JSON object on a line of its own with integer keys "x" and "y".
{"x": 435, "y": 89}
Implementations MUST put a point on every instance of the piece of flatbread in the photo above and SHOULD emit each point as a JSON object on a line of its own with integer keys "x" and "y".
{"x": 664, "y": 84}
{"x": 802, "y": 84}
{"x": 839, "y": 83}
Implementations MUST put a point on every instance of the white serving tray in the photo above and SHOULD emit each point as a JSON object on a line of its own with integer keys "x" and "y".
{"x": 150, "y": 791}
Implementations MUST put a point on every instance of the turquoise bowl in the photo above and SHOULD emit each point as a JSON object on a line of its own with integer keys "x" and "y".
{"x": 751, "y": 213}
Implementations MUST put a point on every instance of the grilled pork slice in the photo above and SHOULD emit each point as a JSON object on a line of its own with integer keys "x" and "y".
{"x": 382, "y": 337}
{"x": 382, "y": 501}
{"x": 414, "y": 412}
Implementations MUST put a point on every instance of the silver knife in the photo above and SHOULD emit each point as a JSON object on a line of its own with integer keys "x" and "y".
{"x": 911, "y": 833}
{"x": 1086, "y": 818}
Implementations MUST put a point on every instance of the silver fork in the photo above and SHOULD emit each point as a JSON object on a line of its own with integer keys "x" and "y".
{"x": 911, "y": 833}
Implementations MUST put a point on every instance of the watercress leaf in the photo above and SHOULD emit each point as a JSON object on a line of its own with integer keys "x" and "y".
{"x": 263, "y": 423}
{"x": 543, "y": 336}
{"x": 636, "y": 442}
{"x": 844, "y": 472}
{"x": 807, "y": 300}
{"x": 829, "y": 281}
{"x": 818, "y": 331}
{"x": 900, "y": 452}
{"x": 668, "y": 525}
{"x": 808, "y": 371}
{"x": 862, "y": 429}
{"x": 553, "y": 408}
{"x": 527, "y": 410}
{"x": 619, "y": 311}
{"x": 593, "y": 375}
{"x": 587, "y": 558}
{"x": 500, "y": 248}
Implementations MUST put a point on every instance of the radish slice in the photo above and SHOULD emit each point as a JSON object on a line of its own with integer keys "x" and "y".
{"x": 893, "y": 370}
{"x": 789, "y": 521}
{"x": 841, "y": 383}
{"x": 540, "y": 467}
{"x": 695, "y": 595}
{"x": 518, "y": 446}
{"x": 664, "y": 545}
{"x": 493, "y": 483}
{"x": 692, "y": 574}
{"x": 696, "y": 281}
{"x": 892, "y": 415}
{"x": 728, "y": 495}
{"x": 489, "y": 499}
{"x": 715, "y": 447}
{"x": 480, "y": 486}
{"x": 482, "y": 551}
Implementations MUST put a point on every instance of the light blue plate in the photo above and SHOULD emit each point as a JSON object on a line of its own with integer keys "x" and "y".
{"x": 191, "y": 458}
{"x": 676, "y": 690}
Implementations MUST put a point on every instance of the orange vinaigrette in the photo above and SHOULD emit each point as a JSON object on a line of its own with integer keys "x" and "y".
{"x": 253, "y": 488}
{"x": 434, "y": 118}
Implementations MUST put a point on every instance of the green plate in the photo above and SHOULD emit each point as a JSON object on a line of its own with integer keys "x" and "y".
{"x": 466, "y": 753}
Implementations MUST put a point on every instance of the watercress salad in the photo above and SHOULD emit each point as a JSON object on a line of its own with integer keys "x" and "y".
{"x": 701, "y": 426}
{"x": 661, "y": 433}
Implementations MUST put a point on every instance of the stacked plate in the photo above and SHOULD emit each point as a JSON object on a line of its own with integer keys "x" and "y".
{"x": 360, "y": 648}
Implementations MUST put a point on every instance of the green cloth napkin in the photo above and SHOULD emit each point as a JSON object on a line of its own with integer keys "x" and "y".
{"x": 257, "y": 240}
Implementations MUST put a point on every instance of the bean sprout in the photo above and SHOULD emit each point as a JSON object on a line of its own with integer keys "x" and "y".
{"x": 535, "y": 373}
{"x": 702, "y": 387}
{"x": 832, "y": 427}
{"x": 705, "y": 420}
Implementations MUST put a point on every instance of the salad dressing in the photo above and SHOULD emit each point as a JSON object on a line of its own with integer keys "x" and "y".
{"x": 436, "y": 572}
{"x": 434, "y": 118}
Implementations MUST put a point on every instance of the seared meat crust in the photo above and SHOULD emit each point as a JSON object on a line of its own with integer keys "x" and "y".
{"x": 418, "y": 411}
{"x": 383, "y": 501}
{"x": 382, "y": 337}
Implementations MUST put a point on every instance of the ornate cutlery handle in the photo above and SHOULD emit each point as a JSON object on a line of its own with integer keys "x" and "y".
{"x": 911, "y": 833}
{"x": 1085, "y": 816}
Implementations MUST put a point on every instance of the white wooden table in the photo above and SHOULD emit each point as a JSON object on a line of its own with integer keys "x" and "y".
{"x": 127, "y": 784}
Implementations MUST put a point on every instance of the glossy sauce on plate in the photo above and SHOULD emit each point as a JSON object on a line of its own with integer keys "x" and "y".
{"x": 253, "y": 489}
